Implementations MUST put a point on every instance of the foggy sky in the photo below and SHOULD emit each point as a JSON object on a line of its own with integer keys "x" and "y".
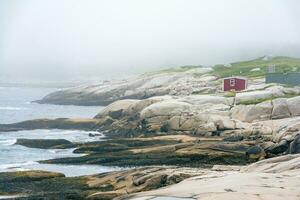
{"x": 69, "y": 39}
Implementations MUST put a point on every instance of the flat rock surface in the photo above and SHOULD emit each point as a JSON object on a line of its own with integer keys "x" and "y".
{"x": 272, "y": 179}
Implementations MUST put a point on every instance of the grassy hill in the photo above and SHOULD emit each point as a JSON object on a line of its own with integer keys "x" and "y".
{"x": 283, "y": 64}
{"x": 243, "y": 68}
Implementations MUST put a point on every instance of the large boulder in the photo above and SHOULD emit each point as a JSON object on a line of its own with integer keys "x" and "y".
{"x": 278, "y": 148}
{"x": 280, "y": 108}
{"x": 204, "y": 99}
{"x": 294, "y": 105}
{"x": 197, "y": 124}
{"x": 250, "y": 113}
{"x": 165, "y": 108}
{"x": 259, "y": 95}
{"x": 223, "y": 122}
{"x": 156, "y": 116}
{"x": 115, "y": 110}
{"x": 288, "y": 129}
{"x": 252, "y": 97}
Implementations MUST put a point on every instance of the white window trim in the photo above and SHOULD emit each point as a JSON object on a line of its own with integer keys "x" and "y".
{"x": 232, "y": 82}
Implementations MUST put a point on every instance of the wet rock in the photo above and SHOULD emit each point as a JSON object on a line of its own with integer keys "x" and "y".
{"x": 155, "y": 182}
{"x": 278, "y": 148}
{"x": 295, "y": 145}
{"x": 176, "y": 178}
{"x": 46, "y": 143}
{"x": 59, "y": 123}
{"x": 138, "y": 179}
{"x": 104, "y": 195}
{"x": 255, "y": 153}
{"x": 94, "y": 134}
{"x": 267, "y": 145}
{"x": 234, "y": 138}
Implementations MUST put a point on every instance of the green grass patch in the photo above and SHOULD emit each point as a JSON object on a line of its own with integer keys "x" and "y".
{"x": 256, "y": 101}
{"x": 230, "y": 94}
{"x": 283, "y": 65}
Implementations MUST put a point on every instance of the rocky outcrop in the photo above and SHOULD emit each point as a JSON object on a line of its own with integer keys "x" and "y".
{"x": 293, "y": 106}
{"x": 276, "y": 178}
{"x": 280, "y": 109}
{"x": 199, "y": 115}
{"x": 178, "y": 82}
{"x": 49, "y": 185}
{"x": 59, "y": 123}
{"x": 46, "y": 143}
{"x": 116, "y": 184}
{"x": 268, "y": 123}
{"x": 195, "y": 115}
{"x": 179, "y": 150}
{"x": 269, "y": 179}
{"x": 267, "y": 92}
{"x": 250, "y": 113}
{"x": 273, "y": 109}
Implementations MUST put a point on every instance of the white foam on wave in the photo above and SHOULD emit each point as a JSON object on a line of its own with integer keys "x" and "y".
{"x": 8, "y": 142}
{"x": 14, "y": 166}
{"x": 76, "y": 136}
{"x": 12, "y": 108}
{"x": 10, "y": 196}
{"x": 65, "y": 151}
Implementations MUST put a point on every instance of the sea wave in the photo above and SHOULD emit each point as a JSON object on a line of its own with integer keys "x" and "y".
{"x": 8, "y": 142}
{"x": 57, "y": 151}
{"x": 12, "y": 108}
{"x": 5, "y": 167}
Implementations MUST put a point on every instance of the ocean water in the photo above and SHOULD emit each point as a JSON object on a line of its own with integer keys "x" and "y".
{"x": 15, "y": 106}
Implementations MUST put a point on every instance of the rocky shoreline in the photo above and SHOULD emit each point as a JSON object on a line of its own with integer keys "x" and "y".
{"x": 49, "y": 185}
{"x": 199, "y": 131}
{"x": 273, "y": 178}
{"x": 276, "y": 178}
{"x": 179, "y": 119}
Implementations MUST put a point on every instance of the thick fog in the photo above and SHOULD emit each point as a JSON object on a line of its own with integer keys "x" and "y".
{"x": 80, "y": 39}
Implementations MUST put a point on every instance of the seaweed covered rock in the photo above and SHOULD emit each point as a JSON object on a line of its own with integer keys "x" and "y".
{"x": 179, "y": 150}
{"x": 255, "y": 153}
{"x": 46, "y": 143}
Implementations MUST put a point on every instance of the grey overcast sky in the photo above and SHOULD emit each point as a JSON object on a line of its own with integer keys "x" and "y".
{"x": 69, "y": 39}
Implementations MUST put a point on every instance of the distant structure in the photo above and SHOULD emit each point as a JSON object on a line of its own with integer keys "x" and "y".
{"x": 235, "y": 83}
{"x": 290, "y": 78}
{"x": 271, "y": 69}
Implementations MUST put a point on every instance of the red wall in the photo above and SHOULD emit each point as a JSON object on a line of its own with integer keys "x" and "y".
{"x": 240, "y": 84}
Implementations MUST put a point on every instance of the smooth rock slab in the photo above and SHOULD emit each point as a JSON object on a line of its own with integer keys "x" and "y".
{"x": 251, "y": 184}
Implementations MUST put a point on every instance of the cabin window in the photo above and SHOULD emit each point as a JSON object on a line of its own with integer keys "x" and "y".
{"x": 232, "y": 82}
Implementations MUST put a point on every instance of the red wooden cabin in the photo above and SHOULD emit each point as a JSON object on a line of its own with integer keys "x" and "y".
{"x": 234, "y": 84}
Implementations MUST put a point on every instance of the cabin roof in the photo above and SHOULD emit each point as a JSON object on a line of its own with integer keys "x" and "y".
{"x": 237, "y": 77}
